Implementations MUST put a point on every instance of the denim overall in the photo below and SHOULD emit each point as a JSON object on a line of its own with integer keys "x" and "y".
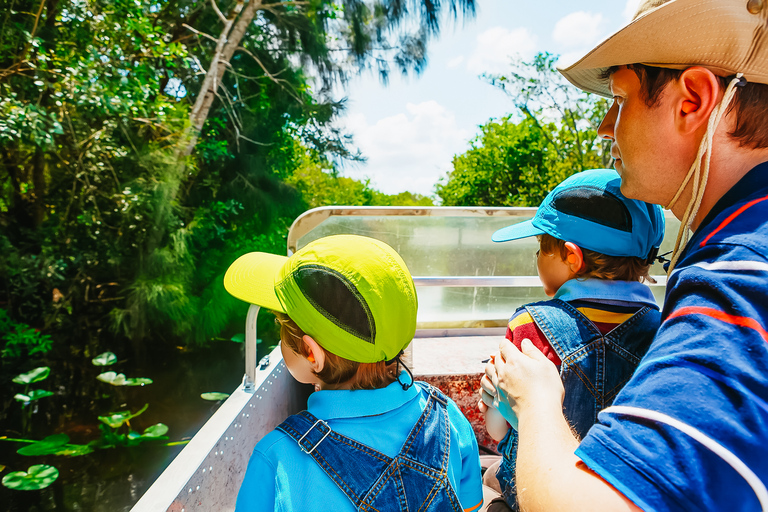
{"x": 594, "y": 368}
{"x": 416, "y": 479}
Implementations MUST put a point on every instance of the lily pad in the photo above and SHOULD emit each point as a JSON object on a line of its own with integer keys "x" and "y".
{"x": 33, "y": 395}
{"x": 156, "y": 431}
{"x": 116, "y": 419}
{"x": 119, "y": 379}
{"x": 214, "y": 396}
{"x": 105, "y": 359}
{"x": 33, "y": 376}
{"x": 138, "y": 381}
{"x": 56, "y": 444}
{"x": 238, "y": 338}
{"x": 36, "y": 477}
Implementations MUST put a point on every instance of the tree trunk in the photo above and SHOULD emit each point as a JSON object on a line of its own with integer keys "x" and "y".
{"x": 228, "y": 41}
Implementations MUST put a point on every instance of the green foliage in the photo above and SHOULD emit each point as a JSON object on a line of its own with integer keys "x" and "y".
{"x": 105, "y": 359}
{"x": 214, "y": 396}
{"x": 319, "y": 185}
{"x": 118, "y": 419}
{"x": 119, "y": 379}
{"x": 506, "y": 166}
{"x": 21, "y": 340}
{"x": 32, "y": 376}
{"x": 517, "y": 160}
{"x": 57, "y": 444}
{"x": 32, "y": 395}
{"x": 35, "y": 478}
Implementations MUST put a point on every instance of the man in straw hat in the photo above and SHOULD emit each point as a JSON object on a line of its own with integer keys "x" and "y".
{"x": 689, "y": 131}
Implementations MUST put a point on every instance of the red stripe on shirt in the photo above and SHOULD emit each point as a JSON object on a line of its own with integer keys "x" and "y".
{"x": 730, "y": 219}
{"x": 741, "y": 321}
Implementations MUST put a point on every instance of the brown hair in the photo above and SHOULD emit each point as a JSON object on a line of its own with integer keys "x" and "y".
{"x": 749, "y": 103}
{"x": 599, "y": 265}
{"x": 338, "y": 370}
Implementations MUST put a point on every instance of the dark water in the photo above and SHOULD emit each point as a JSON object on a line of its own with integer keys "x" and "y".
{"x": 111, "y": 479}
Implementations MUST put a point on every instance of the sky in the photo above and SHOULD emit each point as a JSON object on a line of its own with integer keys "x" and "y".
{"x": 410, "y": 129}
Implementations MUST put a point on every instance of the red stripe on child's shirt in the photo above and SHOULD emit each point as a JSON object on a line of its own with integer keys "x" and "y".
{"x": 523, "y": 326}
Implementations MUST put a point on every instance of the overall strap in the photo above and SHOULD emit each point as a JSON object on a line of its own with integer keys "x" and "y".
{"x": 418, "y": 477}
{"x": 566, "y": 328}
{"x": 432, "y": 429}
{"x": 353, "y": 467}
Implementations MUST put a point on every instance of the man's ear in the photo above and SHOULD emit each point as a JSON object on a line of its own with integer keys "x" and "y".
{"x": 695, "y": 95}
{"x": 316, "y": 354}
{"x": 574, "y": 258}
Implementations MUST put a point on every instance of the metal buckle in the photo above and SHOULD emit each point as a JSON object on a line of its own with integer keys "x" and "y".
{"x": 317, "y": 443}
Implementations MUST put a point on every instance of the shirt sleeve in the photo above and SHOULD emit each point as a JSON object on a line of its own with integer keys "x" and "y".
{"x": 708, "y": 369}
{"x": 522, "y": 326}
{"x": 470, "y": 489}
{"x": 257, "y": 492}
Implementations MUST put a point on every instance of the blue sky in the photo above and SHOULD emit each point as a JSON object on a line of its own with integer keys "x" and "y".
{"x": 410, "y": 129}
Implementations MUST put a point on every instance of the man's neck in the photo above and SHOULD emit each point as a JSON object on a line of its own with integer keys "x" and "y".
{"x": 729, "y": 163}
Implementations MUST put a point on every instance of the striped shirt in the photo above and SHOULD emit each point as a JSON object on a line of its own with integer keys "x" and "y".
{"x": 690, "y": 429}
{"x": 607, "y": 304}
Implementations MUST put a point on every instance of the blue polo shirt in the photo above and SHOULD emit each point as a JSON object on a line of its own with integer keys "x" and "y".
{"x": 707, "y": 369}
{"x": 280, "y": 477}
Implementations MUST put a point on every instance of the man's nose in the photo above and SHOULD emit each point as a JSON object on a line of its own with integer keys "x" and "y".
{"x": 605, "y": 130}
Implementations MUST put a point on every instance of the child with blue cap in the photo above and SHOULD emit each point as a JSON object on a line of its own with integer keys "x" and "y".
{"x": 595, "y": 250}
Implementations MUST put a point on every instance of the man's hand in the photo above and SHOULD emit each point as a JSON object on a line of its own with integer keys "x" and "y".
{"x": 527, "y": 379}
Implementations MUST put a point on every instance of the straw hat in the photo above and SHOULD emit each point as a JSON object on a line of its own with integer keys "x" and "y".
{"x": 725, "y": 36}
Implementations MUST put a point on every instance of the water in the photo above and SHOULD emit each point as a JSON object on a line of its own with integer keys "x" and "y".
{"x": 111, "y": 479}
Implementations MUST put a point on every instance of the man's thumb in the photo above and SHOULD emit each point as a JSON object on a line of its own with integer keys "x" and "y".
{"x": 531, "y": 350}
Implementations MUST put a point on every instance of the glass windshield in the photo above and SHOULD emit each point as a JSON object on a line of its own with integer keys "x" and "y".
{"x": 451, "y": 243}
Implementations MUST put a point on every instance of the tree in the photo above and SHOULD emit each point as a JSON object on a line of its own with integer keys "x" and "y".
{"x": 566, "y": 116}
{"x": 507, "y": 165}
{"x": 516, "y": 161}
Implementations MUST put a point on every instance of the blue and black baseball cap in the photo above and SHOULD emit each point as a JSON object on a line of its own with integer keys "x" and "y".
{"x": 589, "y": 210}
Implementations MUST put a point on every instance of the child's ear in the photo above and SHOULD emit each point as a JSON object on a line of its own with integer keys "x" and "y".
{"x": 316, "y": 353}
{"x": 575, "y": 257}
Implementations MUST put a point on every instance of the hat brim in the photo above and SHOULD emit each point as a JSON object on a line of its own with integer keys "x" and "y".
{"x": 723, "y": 31}
{"x": 523, "y": 229}
{"x": 252, "y": 278}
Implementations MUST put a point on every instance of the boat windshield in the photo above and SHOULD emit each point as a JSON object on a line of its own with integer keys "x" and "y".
{"x": 463, "y": 279}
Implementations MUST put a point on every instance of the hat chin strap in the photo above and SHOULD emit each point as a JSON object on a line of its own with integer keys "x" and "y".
{"x": 700, "y": 173}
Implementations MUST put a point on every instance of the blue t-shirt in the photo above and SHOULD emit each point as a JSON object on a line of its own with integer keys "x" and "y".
{"x": 707, "y": 368}
{"x": 280, "y": 477}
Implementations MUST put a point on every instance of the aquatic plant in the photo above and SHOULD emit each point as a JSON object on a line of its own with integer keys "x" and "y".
{"x": 104, "y": 359}
{"x": 35, "y": 478}
{"x": 214, "y": 396}
{"x": 119, "y": 379}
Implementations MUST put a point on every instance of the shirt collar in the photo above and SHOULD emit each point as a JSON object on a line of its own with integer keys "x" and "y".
{"x": 342, "y": 403}
{"x": 754, "y": 182}
{"x": 606, "y": 290}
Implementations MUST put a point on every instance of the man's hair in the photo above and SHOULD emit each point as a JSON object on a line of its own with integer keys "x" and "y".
{"x": 338, "y": 370}
{"x": 599, "y": 265}
{"x": 749, "y": 103}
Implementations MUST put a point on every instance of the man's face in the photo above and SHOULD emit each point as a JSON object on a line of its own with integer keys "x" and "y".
{"x": 643, "y": 141}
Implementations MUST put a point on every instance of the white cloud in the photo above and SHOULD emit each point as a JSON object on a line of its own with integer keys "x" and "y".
{"x": 407, "y": 151}
{"x": 454, "y": 62}
{"x": 496, "y": 47}
{"x": 630, "y": 9}
{"x": 579, "y": 30}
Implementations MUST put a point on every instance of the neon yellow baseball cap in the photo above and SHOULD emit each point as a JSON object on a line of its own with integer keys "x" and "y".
{"x": 353, "y": 294}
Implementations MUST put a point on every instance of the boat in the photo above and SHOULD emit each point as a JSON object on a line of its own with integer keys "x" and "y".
{"x": 467, "y": 289}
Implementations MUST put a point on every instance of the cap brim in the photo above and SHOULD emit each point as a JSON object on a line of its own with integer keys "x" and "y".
{"x": 523, "y": 229}
{"x": 252, "y": 278}
{"x": 722, "y": 30}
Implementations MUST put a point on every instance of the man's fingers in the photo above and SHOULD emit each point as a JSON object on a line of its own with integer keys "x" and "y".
{"x": 508, "y": 351}
{"x": 487, "y": 385}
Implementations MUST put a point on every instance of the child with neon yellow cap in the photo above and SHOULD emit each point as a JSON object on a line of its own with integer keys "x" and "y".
{"x": 371, "y": 438}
